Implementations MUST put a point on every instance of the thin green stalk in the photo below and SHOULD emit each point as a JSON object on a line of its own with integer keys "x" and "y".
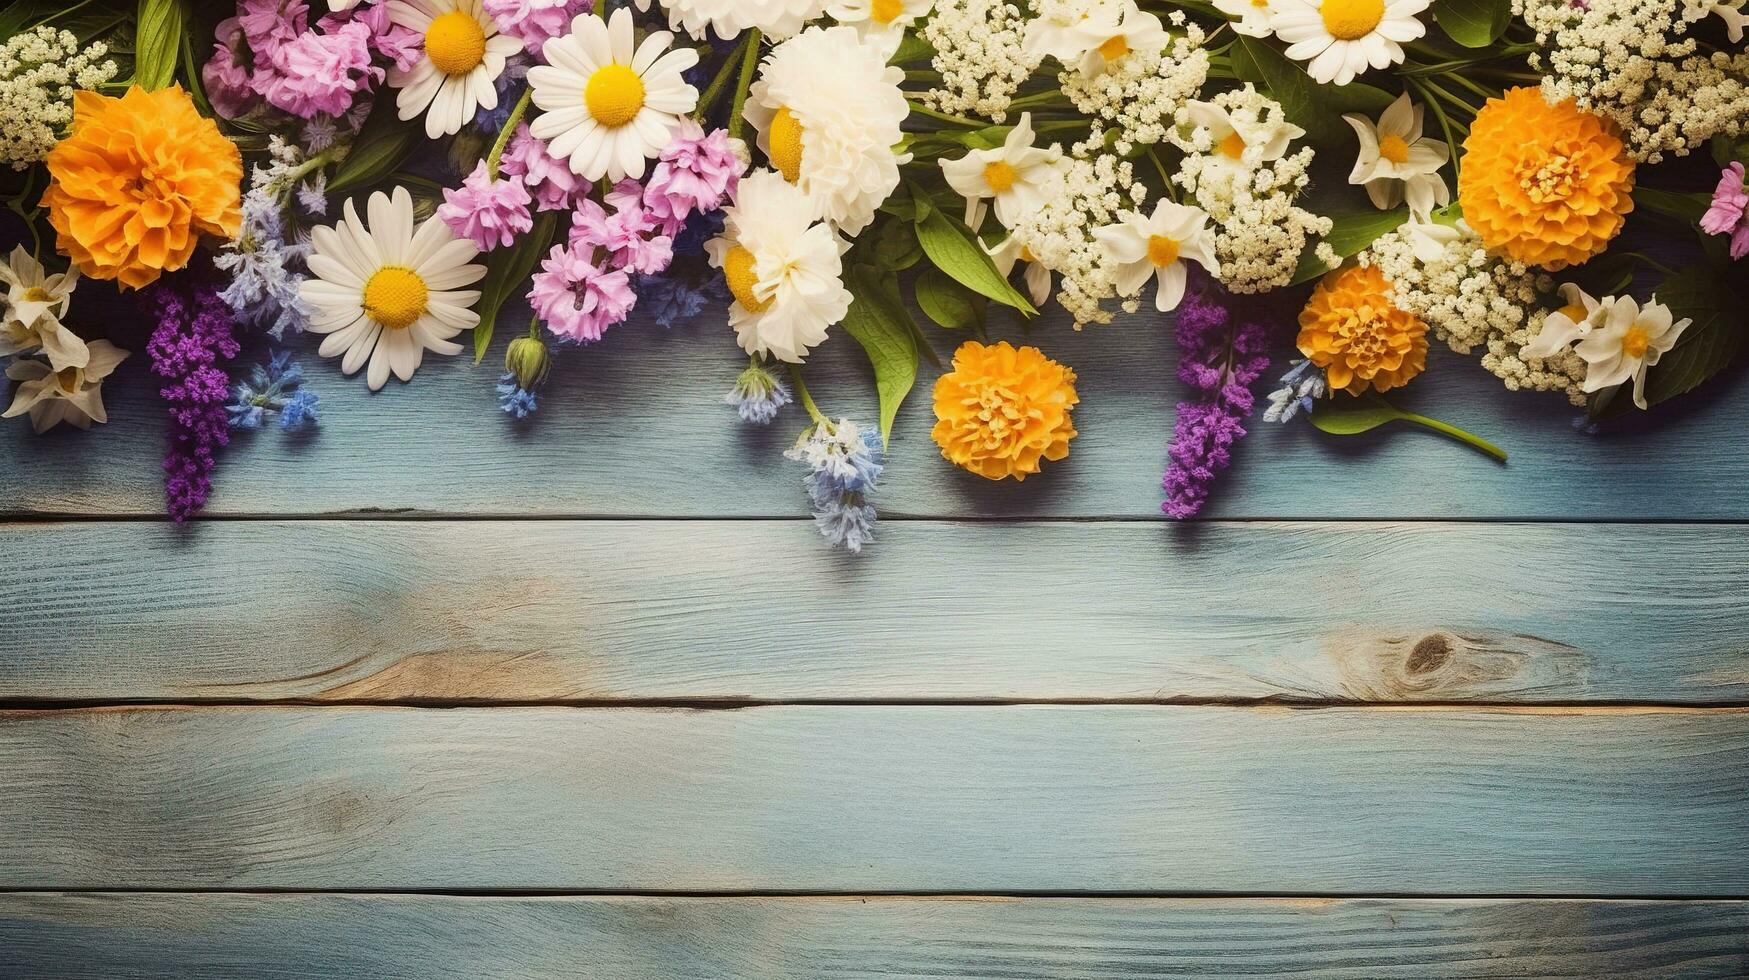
{"x": 923, "y": 110}
{"x": 807, "y": 400}
{"x": 714, "y": 91}
{"x": 749, "y": 61}
{"x": 1454, "y": 432}
{"x": 509, "y": 127}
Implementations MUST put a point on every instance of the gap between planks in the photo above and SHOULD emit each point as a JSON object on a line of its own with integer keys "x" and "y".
{"x": 415, "y": 516}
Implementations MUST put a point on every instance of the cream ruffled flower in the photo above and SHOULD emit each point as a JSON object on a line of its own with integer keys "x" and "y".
{"x": 464, "y": 55}
{"x": 35, "y": 303}
{"x": 1156, "y": 245}
{"x": 607, "y": 103}
{"x": 1242, "y": 143}
{"x": 1341, "y": 38}
{"x": 1038, "y": 278}
{"x": 776, "y": 19}
{"x": 829, "y": 110}
{"x": 73, "y": 395}
{"x": 1014, "y": 175}
{"x": 1617, "y": 338}
{"x": 783, "y": 269}
{"x": 881, "y": 21}
{"x": 1396, "y": 162}
{"x": 387, "y": 293}
{"x": 1116, "y": 32}
{"x": 1252, "y": 18}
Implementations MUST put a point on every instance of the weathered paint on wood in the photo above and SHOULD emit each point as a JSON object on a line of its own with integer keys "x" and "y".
{"x": 675, "y": 610}
{"x": 635, "y": 426}
{"x": 1056, "y": 799}
{"x": 58, "y": 936}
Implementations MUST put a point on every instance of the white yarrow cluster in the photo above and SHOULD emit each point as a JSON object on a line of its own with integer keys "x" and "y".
{"x": 1259, "y": 231}
{"x": 1086, "y": 195}
{"x": 1141, "y": 95}
{"x": 39, "y": 71}
{"x": 1473, "y": 301}
{"x": 980, "y": 55}
{"x": 1634, "y": 62}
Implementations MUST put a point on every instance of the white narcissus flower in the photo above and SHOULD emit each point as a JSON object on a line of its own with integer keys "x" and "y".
{"x": 1618, "y": 339}
{"x": 35, "y": 304}
{"x": 1246, "y": 142}
{"x": 464, "y": 54}
{"x": 1340, "y": 39}
{"x": 776, "y": 19}
{"x": 1428, "y": 239}
{"x": 388, "y": 292}
{"x": 1157, "y": 245}
{"x": 783, "y": 268}
{"x": 1572, "y": 322}
{"x": 73, "y": 395}
{"x": 1014, "y": 175}
{"x": 1253, "y": 18}
{"x": 829, "y": 111}
{"x": 1396, "y": 162}
{"x": 882, "y": 21}
{"x": 1123, "y": 28}
{"x": 1057, "y": 32}
{"x": 1038, "y": 278}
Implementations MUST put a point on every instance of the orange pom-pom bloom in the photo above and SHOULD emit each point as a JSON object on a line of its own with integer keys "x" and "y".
{"x": 1546, "y": 185}
{"x": 137, "y": 183}
{"x": 1001, "y": 409}
{"x": 1352, "y": 329}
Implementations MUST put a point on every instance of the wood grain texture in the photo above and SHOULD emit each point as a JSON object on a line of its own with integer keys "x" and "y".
{"x": 695, "y": 610}
{"x": 1053, "y": 799}
{"x": 60, "y": 936}
{"x": 635, "y": 426}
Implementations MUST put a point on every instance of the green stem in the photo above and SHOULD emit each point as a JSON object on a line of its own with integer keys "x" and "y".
{"x": 509, "y": 127}
{"x": 749, "y": 61}
{"x": 715, "y": 90}
{"x": 807, "y": 400}
{"x": 923, "y": 110}
{"x": 1454, "y": 432}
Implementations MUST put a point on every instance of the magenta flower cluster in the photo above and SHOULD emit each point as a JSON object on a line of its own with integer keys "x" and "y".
{"x": 535, "y": 22}
{"x": 188, "y": 348}
{"x": 1729, "y": 213}
{"x": 490, "y": 213}
{"x": 270, "y": 53}
{"x": 1221, "y": 354}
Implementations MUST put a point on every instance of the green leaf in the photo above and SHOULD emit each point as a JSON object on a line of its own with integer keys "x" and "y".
{"x": 880, "y": 323}
{"x": 507, "y": 270}
{"x": 895, "y": 246}
{"x": 382, "y": 143}
{"x": 1316, "y": 108}
{"x": 1686, "y": 208}
{"x": 1709, "y": 344}
{"x": 1345, "y": 416}
{"x": 1350, "y": 233}
{"x": 158, "y": 42}
{"x": 951, "y": 247}
{"x": 947, "y": 303}
{"x": 1473, "y": 23}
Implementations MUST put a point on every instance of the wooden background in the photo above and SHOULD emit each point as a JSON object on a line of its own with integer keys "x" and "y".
{"x": 432, "y": 693}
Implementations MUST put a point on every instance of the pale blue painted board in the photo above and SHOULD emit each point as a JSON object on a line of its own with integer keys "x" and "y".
{"x": 731, "y": 610}
{"x": 1129, "y": 799}
{"x": 635, "y": 426}
{"x": 60, "y": 936}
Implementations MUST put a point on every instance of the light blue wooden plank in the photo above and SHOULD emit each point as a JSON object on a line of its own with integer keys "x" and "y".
{"x": 635, "y": 426}
{"x": 554, "y": 610}
{"x": 61, "y": 936}
{"x": 1127, "y": 799}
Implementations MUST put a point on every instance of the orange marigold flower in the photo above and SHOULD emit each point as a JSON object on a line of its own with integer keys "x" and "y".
{"x": 137, "y": 183}
{"x": 1548, "y": 185}
{"x": 1000, "y": 409}
{"x": 1352, "y": 329}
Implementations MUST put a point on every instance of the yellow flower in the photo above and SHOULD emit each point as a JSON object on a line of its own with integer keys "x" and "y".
{"x": 137, "y": 183}
{"x": 1547, "y": 185}
{"x": 1352, "y": 329}
{"x": 1000, "y": 409}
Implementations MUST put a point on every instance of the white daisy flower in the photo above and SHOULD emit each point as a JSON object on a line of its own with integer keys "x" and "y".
{"x": 464, "y": 55}
{"x": 1252, "y": 18}
{"x": 1396, "y": 162}
{"x": 35, "y": 304}
{"x": 1245, "y": 142}
{"x": 605, "y": 104}
{"x": 1626, "y": 340}
{"x": 1038, "y": 278}
{"x": 73, "y": 395}
{"x": 1157, "y": 245}
{"x": 389, "y": 292}
{"x": 1014, "y": 175}
{"x": 783, "y": 269}
{"x": 1573, "y": 322}
{"x": 883, "y": 21}
{"x": 1341, "y": 38}
{"x": 1118, "y": 30}
{"x": 829, "y": 110}
{"x": 776, "y": 19}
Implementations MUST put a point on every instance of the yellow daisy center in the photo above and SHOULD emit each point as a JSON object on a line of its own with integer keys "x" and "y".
{"x": 1394, "y": 149}
{"x": 1635, "y": 342}
{"x": 37, "y": 294}
{"x": 455, "y": 43}
{"x": 1114, "y": 48}
{"x": 396, "y": 297}
{"x": 886, "y": 11}
{"x": 1162, "y": 251}
{"x": 614, "y": 95}
{"x": 739, "y": 272}
{"x": 1351, "y": 20}
{"x": 1000, "y": 176}
{"x": 785, "y": 138}
{"x": 1574, "y": 312}
{"x": 1233, "y": 147}
{"x": 70, "y": 379}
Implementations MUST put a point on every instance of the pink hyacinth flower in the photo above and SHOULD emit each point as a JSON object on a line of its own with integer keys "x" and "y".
{"x": 490, "y": 213}
{"x": 1729, "y": 213}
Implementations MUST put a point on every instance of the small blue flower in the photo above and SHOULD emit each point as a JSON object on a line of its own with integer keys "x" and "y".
{"x": 272, "y": 389}
{"x": 700, "y": 228}
{"x": 1300, "y": 390}
{"x": 670, "y": 299}
{"x": 757, "y": 395}
{"x": 515, "y": 399}
{"x": 844, "y": 461}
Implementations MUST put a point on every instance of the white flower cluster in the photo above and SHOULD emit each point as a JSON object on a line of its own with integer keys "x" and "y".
{"x": 1472, "y": 300}
{"x": 1085, "y": 195}
{"x": 980, "y": 55}
{"x": 1259, "y": 231}
{"x": 1141, "y": 94}
{"x": 1633, "y": 61}
{"x": 39, "y": 71}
